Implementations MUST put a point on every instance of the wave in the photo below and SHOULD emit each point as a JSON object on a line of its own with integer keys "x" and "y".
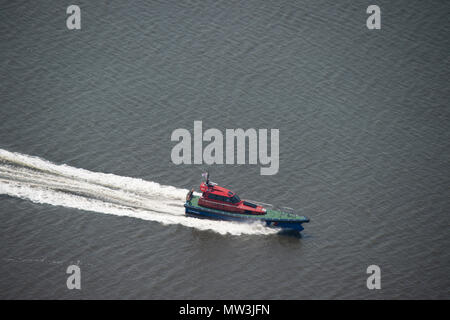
{"x": 41, "y": 181}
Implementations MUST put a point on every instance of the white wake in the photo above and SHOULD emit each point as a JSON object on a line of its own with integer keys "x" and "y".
{"x": 41, "y": 181}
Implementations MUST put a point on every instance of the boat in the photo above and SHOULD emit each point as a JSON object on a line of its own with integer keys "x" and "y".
{"x": 219, "y": 203}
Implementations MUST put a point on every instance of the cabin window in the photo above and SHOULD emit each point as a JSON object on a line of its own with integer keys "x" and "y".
{"x": 235, "y": 199}
{"x": 212, "y": 196}
{"x": 250, "y": 204}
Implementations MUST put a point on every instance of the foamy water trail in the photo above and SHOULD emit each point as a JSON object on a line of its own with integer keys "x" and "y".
{"x": 41, "y": 181}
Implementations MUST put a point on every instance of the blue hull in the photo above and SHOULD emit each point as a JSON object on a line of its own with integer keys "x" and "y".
{"x": 217, "y": 215}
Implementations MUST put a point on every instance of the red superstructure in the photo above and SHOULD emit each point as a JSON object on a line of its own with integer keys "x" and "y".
{"x": 216, "y": 197}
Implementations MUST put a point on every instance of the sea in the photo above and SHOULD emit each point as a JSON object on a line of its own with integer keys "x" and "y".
{"x": 87, "y": 177}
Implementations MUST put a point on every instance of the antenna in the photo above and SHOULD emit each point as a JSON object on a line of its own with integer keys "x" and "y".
{"x": 206, "y": 175}
{"x": 208, "y": 183}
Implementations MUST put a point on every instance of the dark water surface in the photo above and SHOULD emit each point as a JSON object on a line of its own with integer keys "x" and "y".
{"x": 364, "y": 147}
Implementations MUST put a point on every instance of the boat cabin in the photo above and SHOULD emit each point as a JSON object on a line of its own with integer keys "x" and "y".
{"x": 220, "y": 198}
